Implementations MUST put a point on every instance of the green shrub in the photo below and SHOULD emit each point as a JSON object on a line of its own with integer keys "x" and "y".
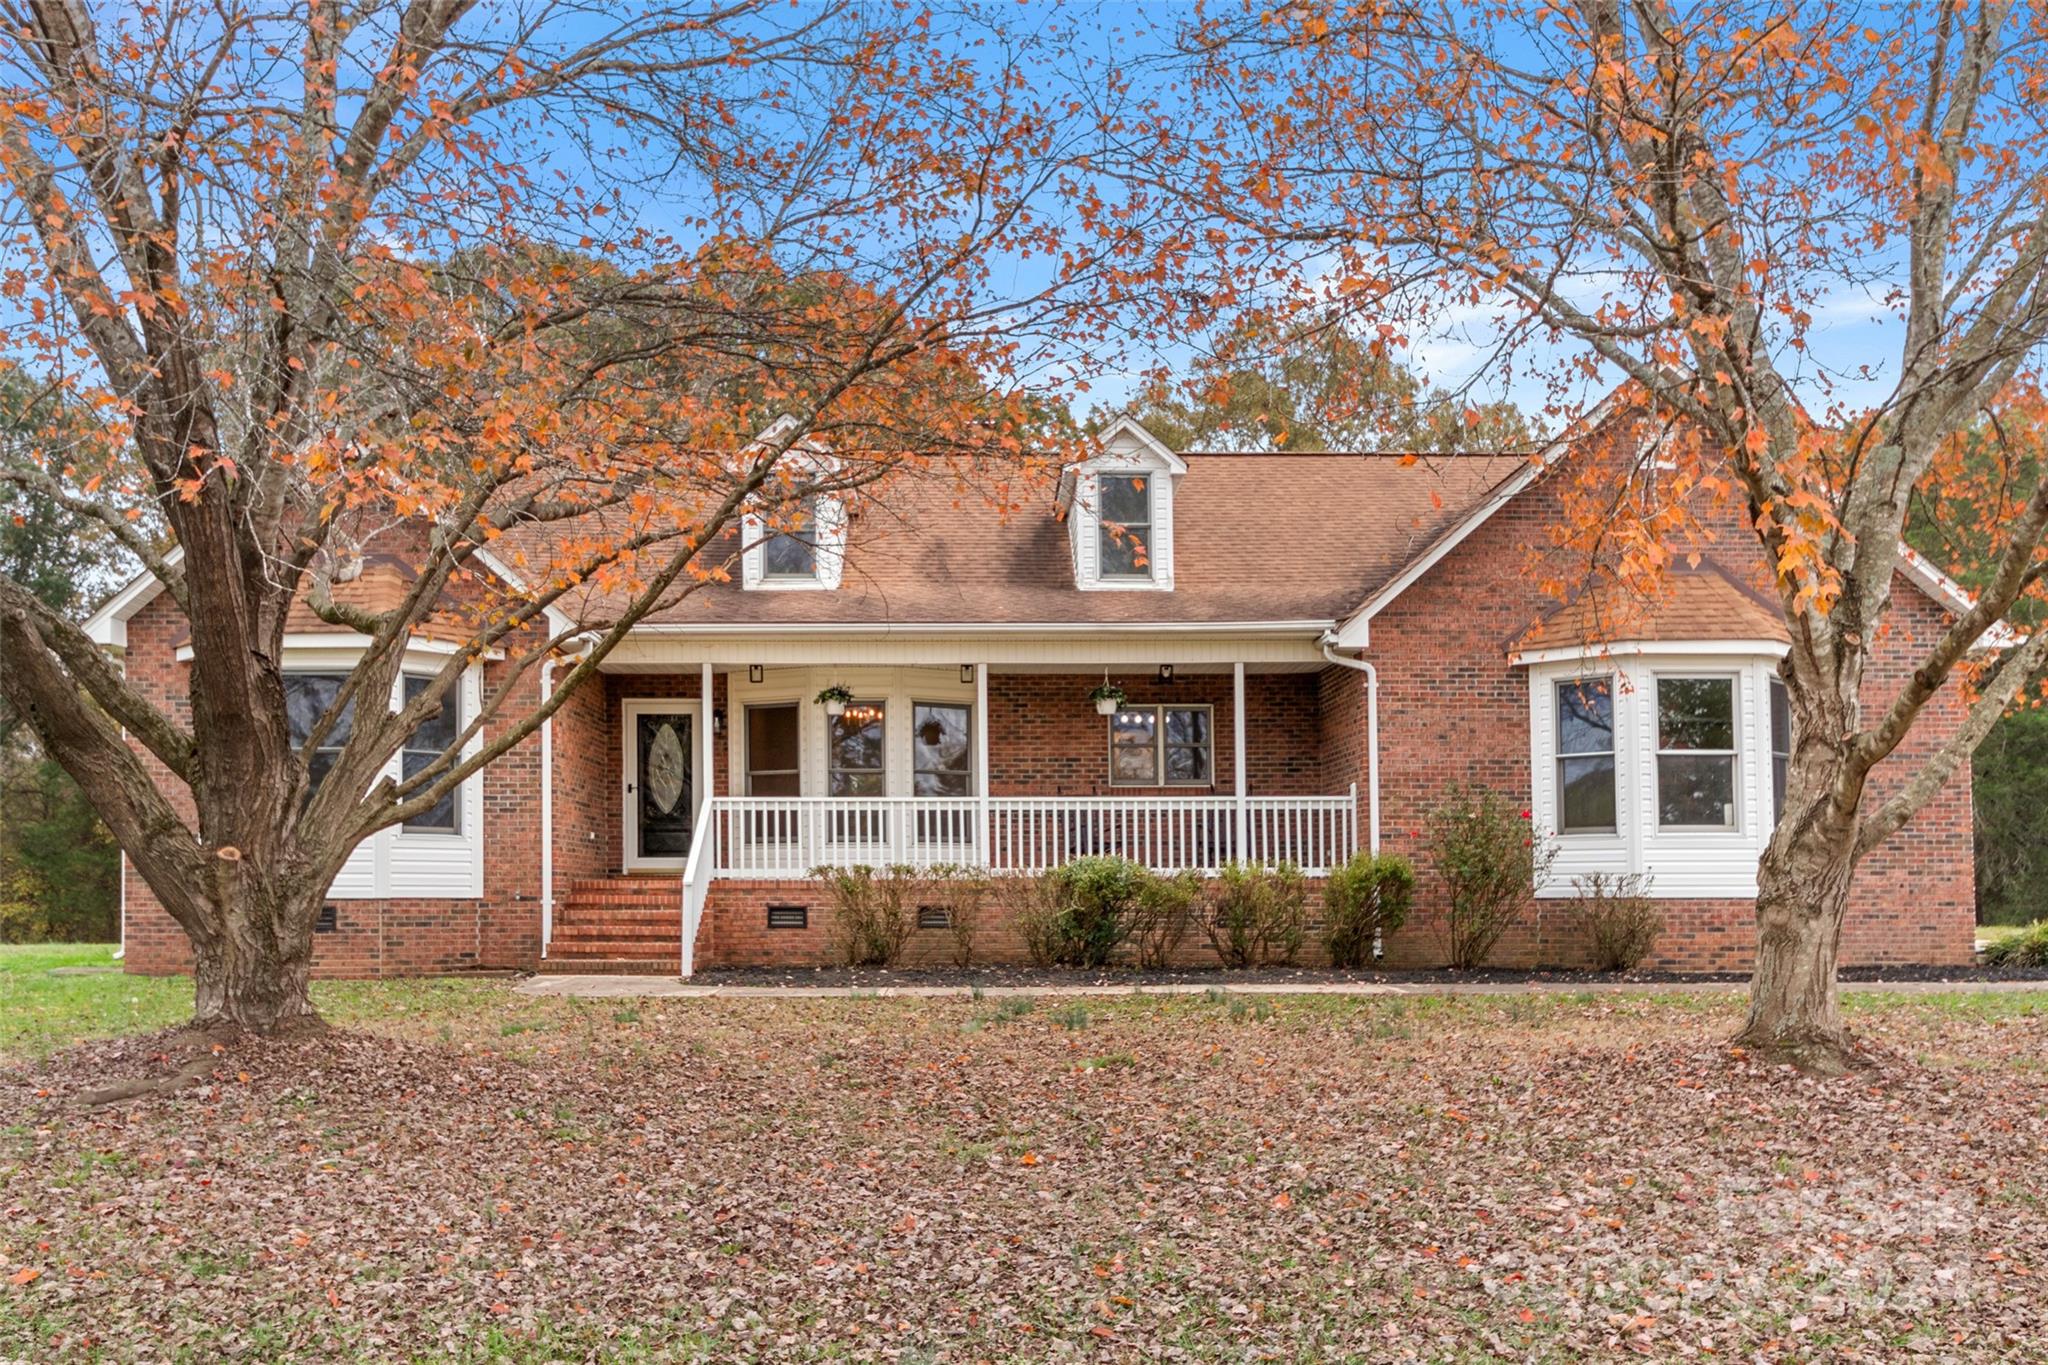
{"x": 1160, "y": 920}
{"x": 873, "y": 912}
{"x": 1081, "y": 914}
{"x": 2027, "y": 948}
{"x": 1490, "y": 861}
{"x": 1257, "y": 916}
{"x": 1621, "y": 923}
{"x": 1364, "y": 900}
{"x": 960, "y": 892}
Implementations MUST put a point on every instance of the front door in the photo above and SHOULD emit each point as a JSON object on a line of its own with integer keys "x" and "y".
{"x": 661, "y": 787}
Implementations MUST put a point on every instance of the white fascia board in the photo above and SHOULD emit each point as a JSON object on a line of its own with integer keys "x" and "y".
{"x": 1953, "y": 595}
{"x": 350, "y": 643}
{"x": 1598, "y": 654}
{"x": 109, "y": 625}
{"x": 1355, "y": 632}
{"x": 1145, "y": 440}
{"x": 558, "y": 621}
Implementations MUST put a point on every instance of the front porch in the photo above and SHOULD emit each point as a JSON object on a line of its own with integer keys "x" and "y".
{"x": 1002, "y": 766}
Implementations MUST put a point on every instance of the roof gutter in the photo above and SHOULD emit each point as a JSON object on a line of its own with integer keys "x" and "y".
{"x": 786, "y": 628}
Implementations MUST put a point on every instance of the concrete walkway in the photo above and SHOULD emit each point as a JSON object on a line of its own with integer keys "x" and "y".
{"x": 669, "y": 987}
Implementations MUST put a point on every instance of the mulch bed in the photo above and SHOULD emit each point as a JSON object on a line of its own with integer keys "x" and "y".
{"x": 873, "y": 978}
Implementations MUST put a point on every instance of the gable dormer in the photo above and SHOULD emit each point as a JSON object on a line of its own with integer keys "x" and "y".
{"x": 796, "y": 546}
{"x": 1119, "y": 508}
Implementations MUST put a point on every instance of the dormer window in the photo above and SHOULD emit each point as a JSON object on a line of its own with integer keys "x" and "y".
{"x": 802, "y": 548}
{"x": 1119, "y": 509}
{"x": 793, "y": 553}
{"x": 1125, "y": 528}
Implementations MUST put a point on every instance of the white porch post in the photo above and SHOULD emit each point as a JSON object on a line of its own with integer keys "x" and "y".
{"x": 1237, "y": 758}
{"x": 984, "y": 836}
{"x": 706, "y": 755}
{"x": 547, "y": 815}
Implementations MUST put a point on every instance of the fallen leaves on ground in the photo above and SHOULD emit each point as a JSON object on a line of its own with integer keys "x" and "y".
{"x": 901, "y": 1180}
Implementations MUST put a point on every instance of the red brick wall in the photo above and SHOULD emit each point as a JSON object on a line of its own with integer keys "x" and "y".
{"x": 1452, "y": 710}
{"x": 1045, "y": 738}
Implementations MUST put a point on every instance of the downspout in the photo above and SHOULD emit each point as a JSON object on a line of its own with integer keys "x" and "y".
{"x": 1372, "y": 734}
{"x": 1372, "y": 751}
{"x": 547, "y": 810}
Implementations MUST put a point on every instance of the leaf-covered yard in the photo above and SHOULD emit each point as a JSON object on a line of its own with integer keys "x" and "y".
{"x": 464, "y": 1173}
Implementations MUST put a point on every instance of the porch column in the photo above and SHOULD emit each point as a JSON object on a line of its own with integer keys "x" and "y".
{"x": 1237, "y": 757}
{"x": 984, "y": 836}
{"x": 706, "y": 755}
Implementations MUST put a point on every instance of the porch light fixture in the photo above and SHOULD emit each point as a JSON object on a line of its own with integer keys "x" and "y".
{"x": 967, "y": 673}
{"x": 718, "y": 720}
{"x": 753, "y": 673}
{"x": 1166, "y": 673}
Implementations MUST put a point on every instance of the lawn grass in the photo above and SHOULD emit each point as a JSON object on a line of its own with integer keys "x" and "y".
{"x": 43, "y": 1009}
{"x": 1998, "y": 933}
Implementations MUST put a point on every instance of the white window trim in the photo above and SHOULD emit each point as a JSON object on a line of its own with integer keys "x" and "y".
{"x": 1150, "y": 489}
{"x": 1159, "y": 710}
{"x": 1679, "y": 863}
{"x": 829, "y": 519}
{"x": 920, "y": 698}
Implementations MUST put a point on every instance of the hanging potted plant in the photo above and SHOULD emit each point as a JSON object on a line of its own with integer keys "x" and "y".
{"x": 1108, "y": 699}
{"x": 834, "y": 700}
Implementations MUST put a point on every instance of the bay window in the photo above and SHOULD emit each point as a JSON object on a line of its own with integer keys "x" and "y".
{"x": 433, "y": 737}
{"x": 1695, "y": 752}
{"x": 1663, "y": 759}
{"x": 306, "y": 698}
{"x": 1585, "y": 755}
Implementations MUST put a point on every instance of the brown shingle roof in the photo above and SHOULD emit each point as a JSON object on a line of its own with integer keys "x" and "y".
{"x": 1703, "y": 602}
{"x": 1257, "y": 537}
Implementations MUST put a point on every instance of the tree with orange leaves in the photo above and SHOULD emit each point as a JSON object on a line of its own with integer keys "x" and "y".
{"x": 1672, "y": 193}
{"x": 518, "y": 289}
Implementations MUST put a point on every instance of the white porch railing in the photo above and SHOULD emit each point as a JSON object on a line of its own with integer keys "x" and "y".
{"x": 761, "y": 838}
{"x": 774, "y": 837}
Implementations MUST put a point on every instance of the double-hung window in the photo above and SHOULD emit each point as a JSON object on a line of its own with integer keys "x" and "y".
{"x": 306, "y": 698}
{"x": 434, "y": 736}
{"x": 942, "y": 764}
{"x": 1124, "y": 533}
{"x": 1585, "y": 756}
{"x": 1162, "y": 746}
{"x": 792, "y": 553}
{"x": 1696, "y": 778}
{"x": 773, "y": 769}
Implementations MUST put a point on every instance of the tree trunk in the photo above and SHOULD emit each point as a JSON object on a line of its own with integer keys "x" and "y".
{"x": 1794, "y": 1013}
{"x": 253, "y": 975}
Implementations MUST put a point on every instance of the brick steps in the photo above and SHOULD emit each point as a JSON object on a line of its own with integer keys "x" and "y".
{"x": 617, "y": 926}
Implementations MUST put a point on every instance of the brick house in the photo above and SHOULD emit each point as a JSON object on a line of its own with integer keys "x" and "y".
{"x": 1312, "y": 647}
